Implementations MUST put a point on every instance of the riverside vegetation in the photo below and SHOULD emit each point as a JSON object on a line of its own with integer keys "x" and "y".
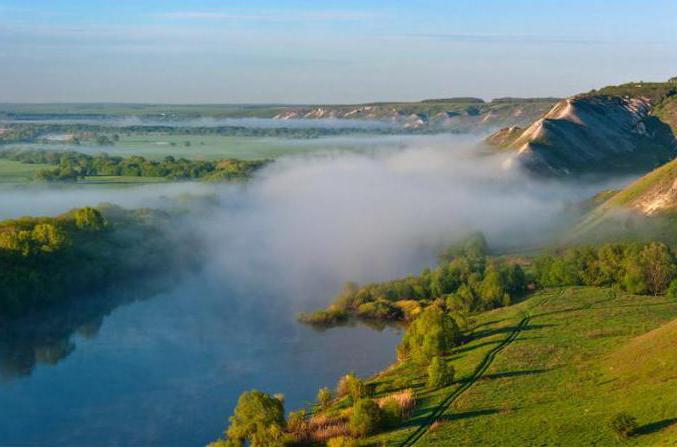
{"x": 457, "y": 316}
{"x": 47, "y": 260}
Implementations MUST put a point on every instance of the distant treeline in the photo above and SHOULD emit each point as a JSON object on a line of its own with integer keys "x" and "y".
{"x": 468, "y": 281}
{"x": 46, "y": 260}
{"x": 28, "y": 133}
{"x": 72, "y": 165}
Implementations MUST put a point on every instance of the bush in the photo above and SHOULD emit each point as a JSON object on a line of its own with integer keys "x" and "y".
{"x": 672, "y": 289}
{"x": 297, "y": 422}
{"x": 623, "y": 425}
{"x": 392, "y": 412}
{"x": 324, "y": 397}
{"x": 342, "y": 441}
{"x": 367, "y": 417}
{"x": 351, "y": 385}
{"x": 439, "y": 373}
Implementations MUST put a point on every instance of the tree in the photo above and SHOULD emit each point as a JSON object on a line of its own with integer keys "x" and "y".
{"x": 324, "y": 397}
{"x": 493, "y": 289}
{"x": 258, "y": 419}
{"x": 366, "y": 417}
{"x": 623, "y": 425}
{"x": 433, "y": 333}
{"x": 439, "y": 373}
{"x": 658, "y": 265}
{"x": 89, "y": 219}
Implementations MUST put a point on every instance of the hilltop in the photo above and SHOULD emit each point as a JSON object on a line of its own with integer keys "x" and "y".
{"x": 618, "y": 129}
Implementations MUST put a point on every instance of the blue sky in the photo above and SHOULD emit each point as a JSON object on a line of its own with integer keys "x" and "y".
{"x": 327, "y": 51}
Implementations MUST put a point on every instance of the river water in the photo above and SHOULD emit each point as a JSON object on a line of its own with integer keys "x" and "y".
{"x": 165, "y": 368}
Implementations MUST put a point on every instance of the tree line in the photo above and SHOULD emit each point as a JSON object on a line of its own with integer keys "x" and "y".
{"x": 71, "y": 165}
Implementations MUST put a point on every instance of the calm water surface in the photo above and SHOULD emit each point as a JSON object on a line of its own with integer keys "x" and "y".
{"x": 165, "y": 368}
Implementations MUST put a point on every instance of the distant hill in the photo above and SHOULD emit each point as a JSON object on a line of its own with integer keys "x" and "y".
{"x": 458, "y": 114}
{"x": 618, "y": 129}
{"x": 462, "y": 114}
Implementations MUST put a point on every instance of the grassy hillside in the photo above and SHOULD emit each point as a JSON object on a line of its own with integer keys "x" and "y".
{"x": 655, "y": 192}
{"x": 560, "y": 382}
{"x": 644, "y": 210}
{"x": 551, "y": 370}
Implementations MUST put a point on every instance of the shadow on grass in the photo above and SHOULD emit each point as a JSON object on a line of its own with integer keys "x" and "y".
{"x": 654, "y": 427}
{"x": 505, "y": 330}
{"x": 502, "y": 375}
{"x": 456, "y": 352}
{"x": 467, "y": 415}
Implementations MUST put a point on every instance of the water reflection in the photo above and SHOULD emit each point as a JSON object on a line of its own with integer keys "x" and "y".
{"x": 46, "y": 337}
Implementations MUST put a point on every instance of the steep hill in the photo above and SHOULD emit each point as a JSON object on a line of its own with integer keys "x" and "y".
{"x": 621, "y": 129}
{"x": 645, "y": 209}
{"x": 654, "y": 193}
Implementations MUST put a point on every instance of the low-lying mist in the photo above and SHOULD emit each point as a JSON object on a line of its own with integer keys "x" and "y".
{"x": 308, "y": 223}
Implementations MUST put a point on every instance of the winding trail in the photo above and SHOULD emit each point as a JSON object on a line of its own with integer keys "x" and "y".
{"x": 479, "y": 372}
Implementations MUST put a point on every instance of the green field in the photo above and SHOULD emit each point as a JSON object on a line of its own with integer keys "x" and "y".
{"x": 17, "y": 172}
{"x": 202, "y": 147}
{"x": 550, "y": 371}
{"x": 209, "y": 147}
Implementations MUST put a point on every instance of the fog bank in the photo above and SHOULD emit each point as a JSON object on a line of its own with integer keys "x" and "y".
{"x": 307, "y": 223}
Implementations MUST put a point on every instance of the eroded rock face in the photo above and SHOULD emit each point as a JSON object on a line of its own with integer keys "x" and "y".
{"x": 594, "y": 134}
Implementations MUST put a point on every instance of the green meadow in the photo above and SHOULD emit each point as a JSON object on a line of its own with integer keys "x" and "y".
{"x": 549, "y": 371}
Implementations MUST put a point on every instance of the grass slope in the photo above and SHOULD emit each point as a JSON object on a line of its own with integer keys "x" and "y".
{"x": 548, "y": 371}
{"x": 645, "y": 209}
{"x": 557, "y": 385}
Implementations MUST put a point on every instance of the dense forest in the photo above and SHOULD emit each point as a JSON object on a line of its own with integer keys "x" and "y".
{"x": 70, "y": 166}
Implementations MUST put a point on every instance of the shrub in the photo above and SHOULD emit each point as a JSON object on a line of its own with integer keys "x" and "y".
{"x": 323, "y": 317}
{"x": 351, "y": 385}
{"x": 296, "y": 422}
{"x": 623, "y": 424}
{"x": 323, "y": 427}
{"x": 367, "y": 417}
{"x": 672, "y": 289}
{"x": 342, "y": 441}
{"x": 324, "y": 397}
{"x": 405, "y": 400}
{"x": 392, "y": 413}
{"x": 439, "y": 373}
